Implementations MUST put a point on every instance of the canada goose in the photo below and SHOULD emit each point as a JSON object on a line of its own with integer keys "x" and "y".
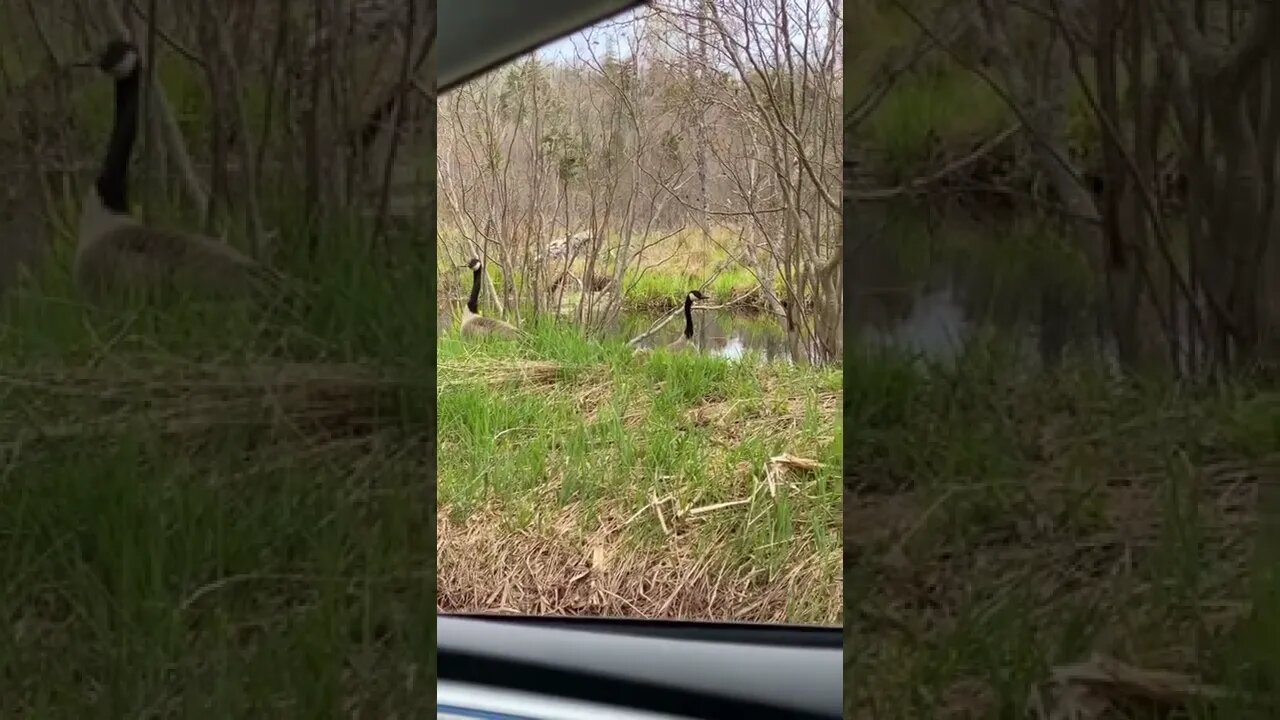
{"x": 685, "y": 342}
{"x": 114, "y": 249}
{"x": 473, "y": 323}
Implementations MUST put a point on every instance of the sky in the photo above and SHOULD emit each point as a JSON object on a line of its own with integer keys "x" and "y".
{"x": 565, "y": 50}
{"x": 561, "y": 49}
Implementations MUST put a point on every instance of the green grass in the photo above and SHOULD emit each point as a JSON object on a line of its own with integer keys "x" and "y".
{"x": 216, "y": 511}
{"x": 926, "y": 116}
{"x": 941, "y": 109}
{"x": 662, "y": 289}
{"x": 999, "y": 523}
{"x": 666, "y": 269}
{"x": 555, "y": 437}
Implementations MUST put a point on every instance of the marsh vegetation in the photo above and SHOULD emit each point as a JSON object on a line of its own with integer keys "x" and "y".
{"x": 604, "y": 180}
{"x": 220, "y": 508}
{"x": 1062, "y": 420}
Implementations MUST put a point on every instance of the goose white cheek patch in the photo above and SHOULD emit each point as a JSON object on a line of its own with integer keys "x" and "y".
{"x": 125, "y": 67}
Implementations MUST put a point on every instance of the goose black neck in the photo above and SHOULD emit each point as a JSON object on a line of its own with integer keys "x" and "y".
{"x": 113, "y": 181}
{"x": 688, "y": 317}
{"x": 473, "y": 302}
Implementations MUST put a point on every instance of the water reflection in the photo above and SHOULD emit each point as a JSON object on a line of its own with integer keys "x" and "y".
{"x": 719, "y": 333}
{"x": 734, "y": 349}
{"x": 936, "y": 326}
{"x": 929, "y": 283}
{"x": 733, "y": 336}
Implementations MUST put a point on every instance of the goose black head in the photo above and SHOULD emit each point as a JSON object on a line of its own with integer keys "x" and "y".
{"x": 695, "y": 295}
{"x": 474, "y": 264}
{"x": 119, "y": 59}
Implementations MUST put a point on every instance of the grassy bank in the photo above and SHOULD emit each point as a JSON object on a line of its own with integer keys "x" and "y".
{"x": 215, "y": 511}
{"x": 577, "y": 478}
{"x": 1000, "y": 524}
{"x": 940, "y": 110}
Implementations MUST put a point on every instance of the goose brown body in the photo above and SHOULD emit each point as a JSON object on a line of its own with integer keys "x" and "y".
{"x": 120, "y": 253}
{"x": 115, "y": 251}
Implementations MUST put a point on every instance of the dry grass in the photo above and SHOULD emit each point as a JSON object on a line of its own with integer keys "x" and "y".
{"x": 308, "y": 402}
{"x": 992, "y": 533}
{"x": 496, "y": 372}
{"x": 922, "y": 575}
{"x": 181, "y": 536}
{"x": 577, "y": 478}
{"x": 559, "y": 568}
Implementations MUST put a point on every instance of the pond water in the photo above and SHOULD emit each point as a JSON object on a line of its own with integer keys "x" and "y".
{"x": 719, "y": 332}
{"x": 929, "y": 283}
{"x": 922, "y": 281}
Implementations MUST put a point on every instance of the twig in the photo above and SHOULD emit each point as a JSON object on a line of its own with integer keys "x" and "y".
{"x": 924, "y": 181}
{"x": 671, "y": 315}
{"x": 399, "y": 102}
{"x": 173, "y": 43}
